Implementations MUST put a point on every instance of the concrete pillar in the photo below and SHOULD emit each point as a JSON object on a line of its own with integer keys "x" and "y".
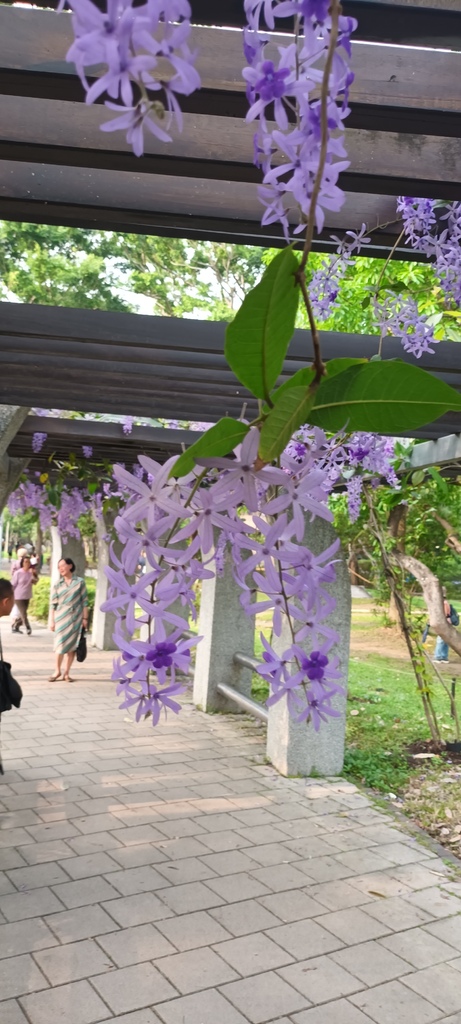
{"x": 225, "y": 629}
{"x": 103, "y": 622}
{"x": 294, "y": 748}
{"x": 11, "y": 471}
{"x": 11, "y": 419}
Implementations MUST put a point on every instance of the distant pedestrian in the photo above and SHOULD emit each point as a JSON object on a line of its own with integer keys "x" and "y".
{"x": 69, "y": 615}
{"x": 23, "y": 580}
{"x": 441, "y": 647}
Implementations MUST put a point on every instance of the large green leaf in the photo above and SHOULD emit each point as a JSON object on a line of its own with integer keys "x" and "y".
{"x": 387, "y": 397}
{"x": 258, "y": 337}
{"x": 221, "y": 439}
{"x": 335, "y": 366}
{"x": 289, "y": 413}
{"x": 300, "y": 378}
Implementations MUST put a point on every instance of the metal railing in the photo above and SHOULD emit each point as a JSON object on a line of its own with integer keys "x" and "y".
{"x": 245, "y": 703}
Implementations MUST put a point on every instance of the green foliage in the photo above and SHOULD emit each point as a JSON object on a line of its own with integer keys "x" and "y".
{"x": 257, "y": 339}
{"x": 219, "y": 440}
{"x": 103, "y": 270}
{"x": 389, "y": 719}
{"x": 387, "y": 397}
{"x": 291, "y": 410}
{"x": 40, "y": 603}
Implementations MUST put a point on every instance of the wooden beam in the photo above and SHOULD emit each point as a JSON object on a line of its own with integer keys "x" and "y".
{"x": 33, "y": 45}
{"x": 162, "y": 205}
{"x": 417, "y": 22}
{"x": 219, "y": 149}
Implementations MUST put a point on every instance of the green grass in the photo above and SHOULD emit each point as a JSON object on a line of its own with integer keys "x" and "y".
{"x": 384, "y": 716}
{"x": 389, "y": 718}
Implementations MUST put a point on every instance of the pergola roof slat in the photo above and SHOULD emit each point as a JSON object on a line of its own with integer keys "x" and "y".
{"x": 154, "y": 366}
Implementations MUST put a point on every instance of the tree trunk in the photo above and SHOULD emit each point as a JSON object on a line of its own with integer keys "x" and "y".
{"x": 397, "y": 527}
{"x": 353, "y": 566}
{"x": 453, "y": 540}
{"x": 432, "y": 592}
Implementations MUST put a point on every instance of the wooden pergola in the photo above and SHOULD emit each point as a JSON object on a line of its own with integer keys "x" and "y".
{"x": 56, "y": 167}
{"x": 403, "y": 134}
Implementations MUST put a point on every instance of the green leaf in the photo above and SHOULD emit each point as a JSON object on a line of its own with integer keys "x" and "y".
{"x": 335, "y": 366}
{"x": 93, "y": 486}
{"x": 418, "y": 477}
{"x": 290, "y": 412}
{"x": 387, "y": 397}
{"x": 258, "y": 337}
{"x": 300, "y": 378}
{"x": 221, "y": 439}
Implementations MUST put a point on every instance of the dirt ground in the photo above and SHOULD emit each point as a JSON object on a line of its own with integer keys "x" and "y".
{"x": 369, "y": 637}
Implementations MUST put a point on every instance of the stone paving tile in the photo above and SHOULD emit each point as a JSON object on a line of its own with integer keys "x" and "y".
{"x": 92, "y": 864}
{"x": 24, "y": 937}
{"x": 418, "y": 876}
{"x": 244, "y": 917}
{"x": 72, "y": 962}
{"x": 83, "y": 923}
{"x": 327, "y": 869}
{"x": 11, "y": 1013}
{"x": 98, "y": 842}
{"x": 146, "y": 1016}
{"x": 347, "y": 924}
{"x": 34, "y": 903}
{"x": 304, "y": 939}
{"x": 137, "y": 856}
{"x": 440, "y": 984}
{"x": 418, "y": 947}
{"x": 84, "y": 892}
{"x": 402, "y": 853}
{"x": 272, "y": 853}
{"x": 76, "y": 1003}
{"x": 292, "y": 906}
{"x": 233, "y": 888}
{"x": 135, "y": 945}
{"x": 435, "y": 902}
{"x": 263, "y": 997}
{"x": 339, "y": 895}
{"x": 197, "y": 929}
{"x": 341, "y": 1011}
{"x": 372, "y": 962}
{"x": 253, "y": 954}
{"x": 448, "y": 931}
{"x": 280, "y": 878}
{"x": 190, "y": 869}
{"x": 140, "y": 909}
{"x": 132, "y": 988}
{"x": 196, "y": 969}
{"x": 185, "y": 899}
{"x": 225, "y": 840}
{"x": 381, "y": 883}
{"x": 135, "y": 880}
{"x": 19, "y": 974}
{"x": 178, "y": 849}
{"x": 392, "y": 1002}
{"x": 397, "y": 914}
{"x": 200, "y": 1008}
{"x": 260, "y": 835}
{"x": 321, "y": 979}
{"x": 363, "y": 862}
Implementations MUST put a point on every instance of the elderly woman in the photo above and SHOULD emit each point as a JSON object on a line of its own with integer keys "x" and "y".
{"x": 23, "y": 580}
{"x": 69, "y": 615}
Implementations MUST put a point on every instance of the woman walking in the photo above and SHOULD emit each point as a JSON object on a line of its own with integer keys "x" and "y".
{"x": 69, "y": 615}
{"x": 23, "y": 580}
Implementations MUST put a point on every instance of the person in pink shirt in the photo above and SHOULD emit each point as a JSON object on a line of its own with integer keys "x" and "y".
{"x": 23, "y": 580}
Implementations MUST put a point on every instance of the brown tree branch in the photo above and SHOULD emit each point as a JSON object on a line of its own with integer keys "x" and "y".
{"x": 432, "y": 592}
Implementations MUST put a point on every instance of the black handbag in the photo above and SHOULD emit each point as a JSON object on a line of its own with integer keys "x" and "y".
{"x": 10, "y": 690}
{"x": 82, "y": 648}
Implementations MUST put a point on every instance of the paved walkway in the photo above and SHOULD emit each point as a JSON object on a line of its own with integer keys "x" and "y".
{"x": 174, "y": 878}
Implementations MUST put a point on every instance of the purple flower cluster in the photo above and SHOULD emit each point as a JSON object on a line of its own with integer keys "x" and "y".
{"x": 324, "y": 286}
{"x": 400, "y": 317}
{"x": 38, "y": 440}
{"x": 149, "y": 62}
{"x": 284, "y": 89}
{"x": 439, "y": 239}
{"x": 184, "y": 527}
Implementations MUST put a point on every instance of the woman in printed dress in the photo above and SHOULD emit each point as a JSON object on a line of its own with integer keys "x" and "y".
{"x": 69, "y": 614}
